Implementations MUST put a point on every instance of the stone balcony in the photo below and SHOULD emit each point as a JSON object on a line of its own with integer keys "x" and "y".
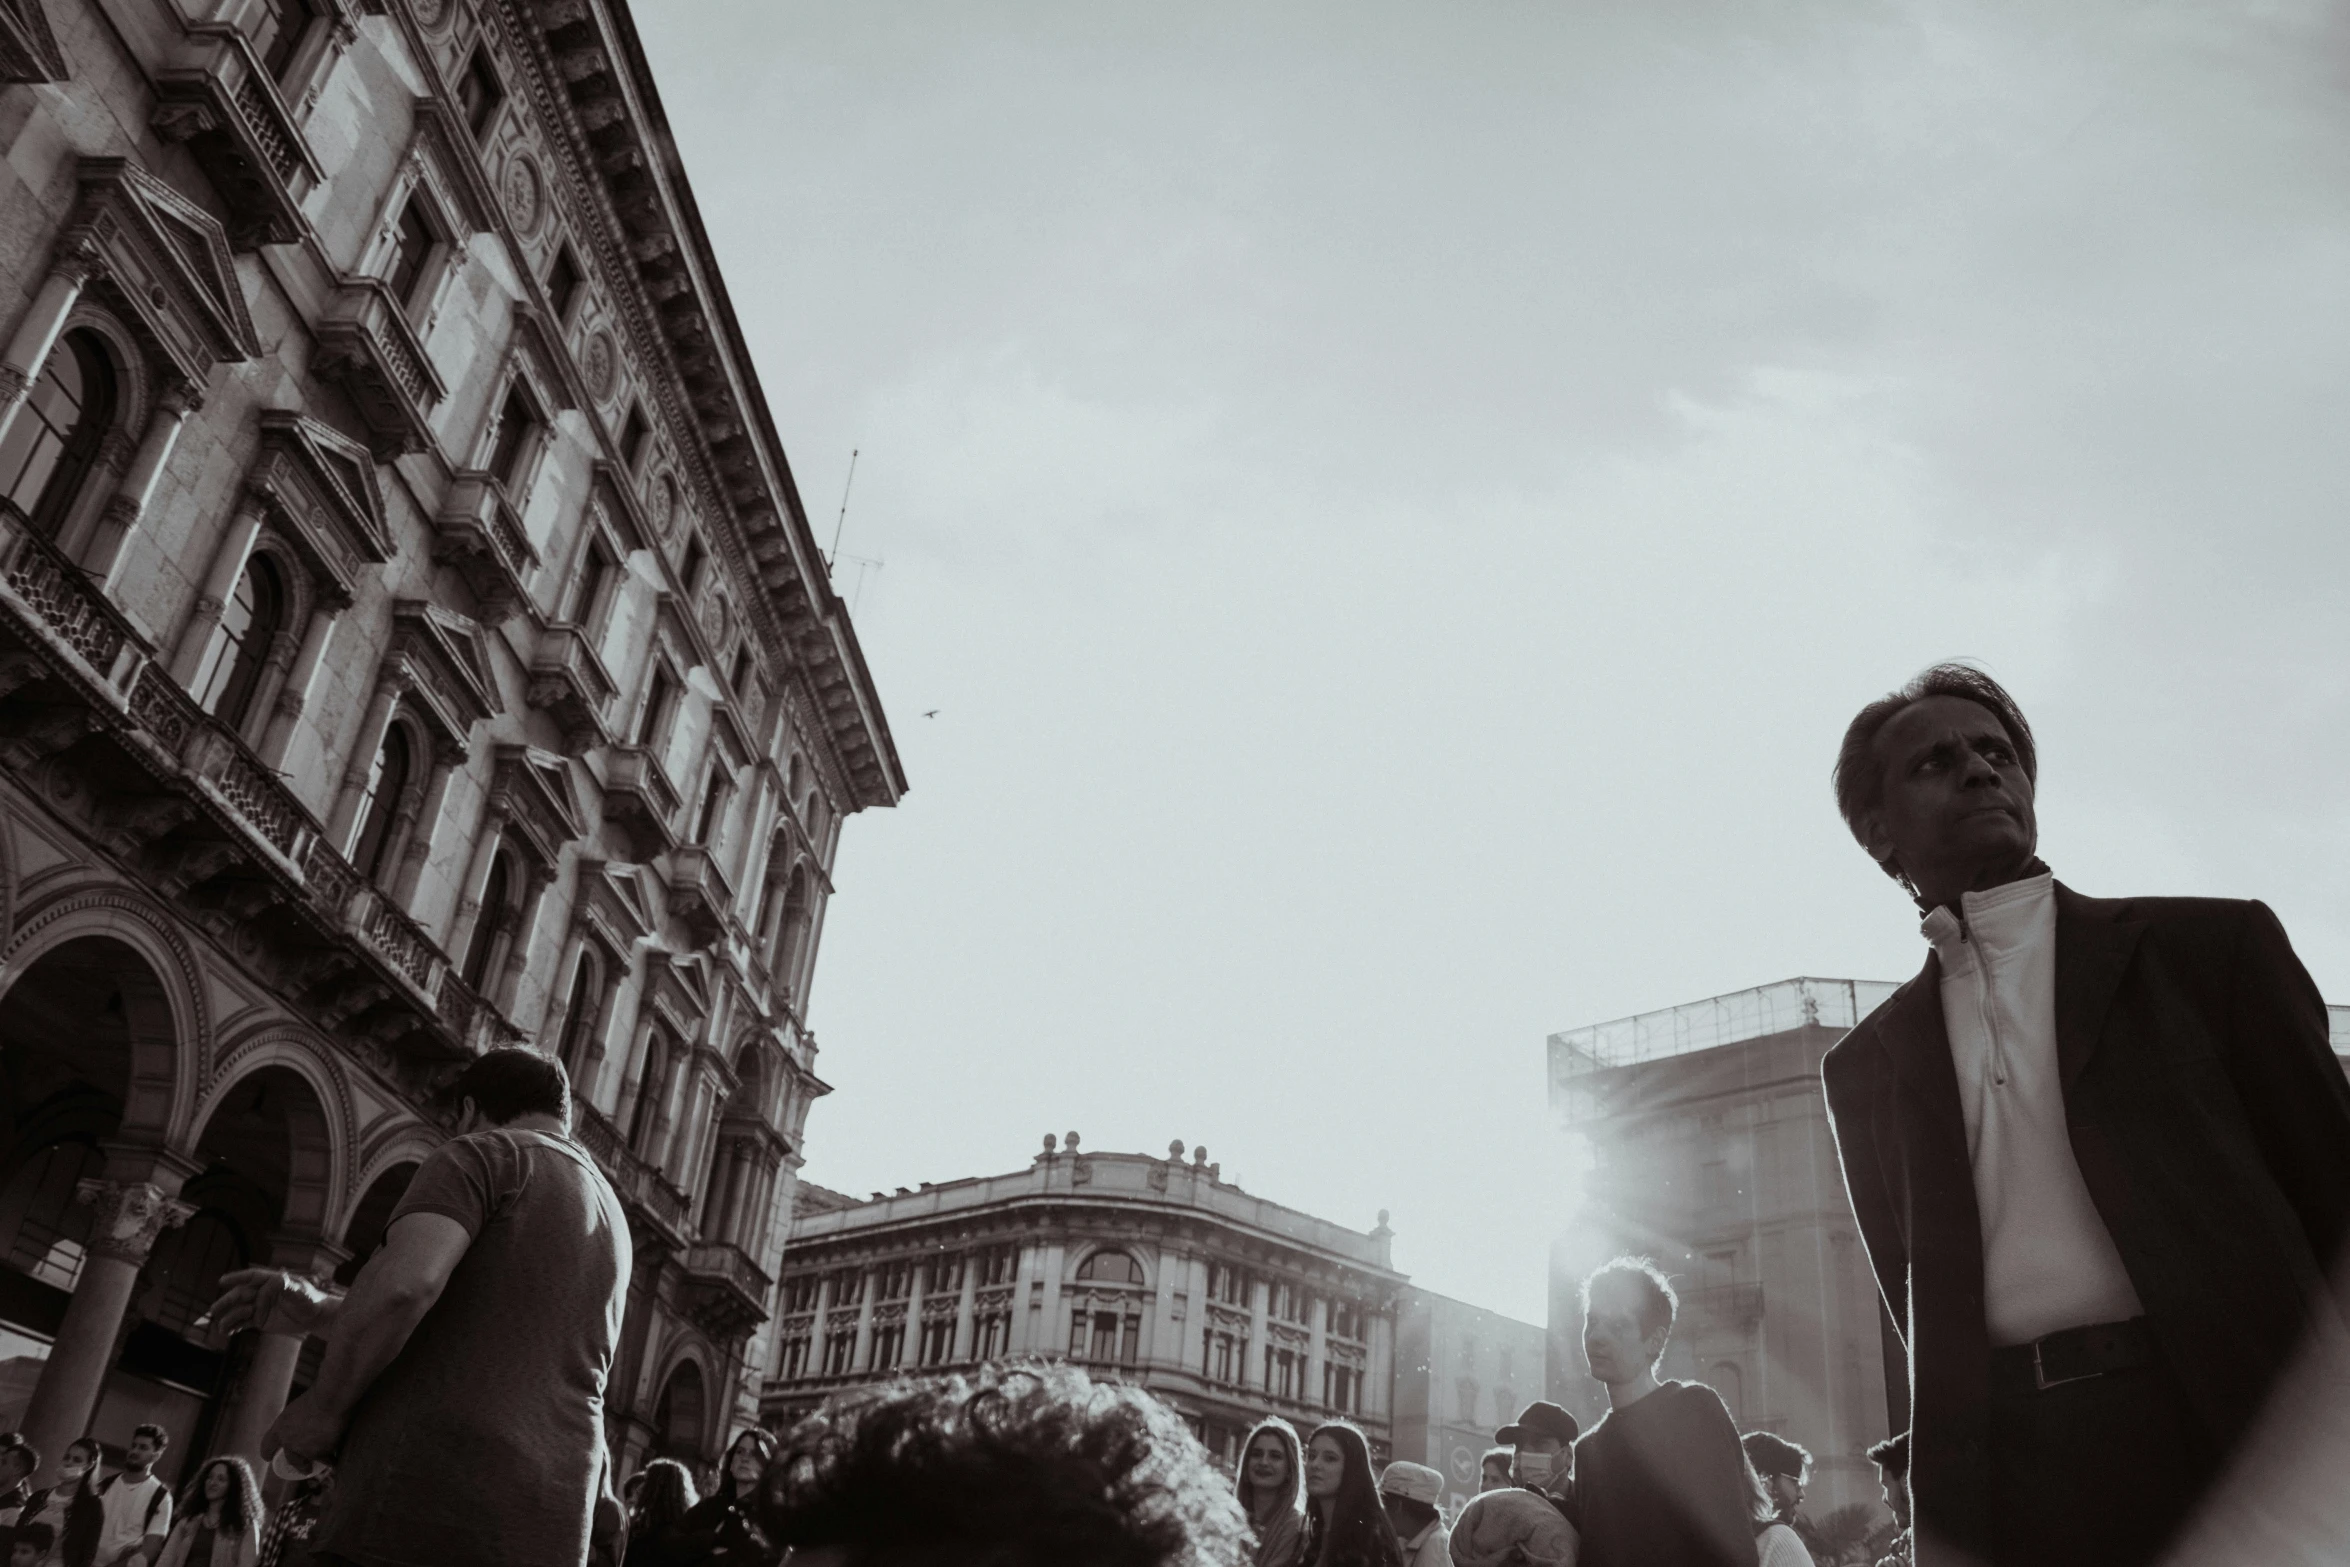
{"x": 640, "y": 800}
{"x": 478, "y": 531}
{"x": 367, "y": 346}
{"x": 644, "y": 1189}
{"x": 569, "y": 682}
{"x": 729, "y": 1290}
{"x": 699, "y": 893}
{"x": 114, "y": 745}
{"x": 216, "y": 98}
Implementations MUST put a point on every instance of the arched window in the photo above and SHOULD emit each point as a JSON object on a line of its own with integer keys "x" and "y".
{"x": 1110, "y": 1267}
{"x": 651, "y": 1087}
{"x": 53, "y": 441}
{"x": 249, "y": 624}
{"x": 492, "y": 924}
{"x": 387, "y": 781}
{"x": 579, "y": 1017}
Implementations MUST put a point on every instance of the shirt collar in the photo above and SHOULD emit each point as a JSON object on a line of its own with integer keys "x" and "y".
{"x": 2002, "y": 916}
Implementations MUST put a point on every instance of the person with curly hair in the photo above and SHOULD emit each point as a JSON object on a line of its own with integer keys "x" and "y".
{"x": 219, "y": 1519}
{"x": 1020, "y": 1464}
{"x": 1271, "y": 1487}
{"x": 1346, "y": 1525}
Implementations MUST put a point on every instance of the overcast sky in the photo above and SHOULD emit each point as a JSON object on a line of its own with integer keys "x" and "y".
{"x": 1393, "y": 507}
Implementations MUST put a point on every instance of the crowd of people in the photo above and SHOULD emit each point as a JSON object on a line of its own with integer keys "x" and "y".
{"x": 2098, "y": 1152}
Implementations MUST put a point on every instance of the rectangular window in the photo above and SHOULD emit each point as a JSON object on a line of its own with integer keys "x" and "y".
{"x": 999, "y": 1264}
{"x": 653, "y": 717}
{"x": 799, "y": 1293}
{"x": 838, "y": 1349}
{"x": 944, "y": 1274}
{"x": 562, "y": 283}
{"x": 635, "y": 437}
{"x": 414, "y": 234}
{"x": 581, "y": 594}
{"x": 897, "y": 1280}
{"x": 741, "y": 670}
{"x": 478, "y": 93}
{"x": 510, "y": 447}
{"x": 712, "y": 811}
{"x": 690, "y": 573}
{"x": 277, "y": 33}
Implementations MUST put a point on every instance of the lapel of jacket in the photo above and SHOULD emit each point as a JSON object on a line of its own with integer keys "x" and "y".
{"x": 2092, "y": 952}
{"x": 1919, "y": 1044}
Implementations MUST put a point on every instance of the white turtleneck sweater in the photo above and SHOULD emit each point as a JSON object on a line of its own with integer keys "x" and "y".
{"x": 2048, "y": 1260}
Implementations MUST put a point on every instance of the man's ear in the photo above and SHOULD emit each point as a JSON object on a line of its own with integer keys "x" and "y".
{"x": 467, "y": 1113}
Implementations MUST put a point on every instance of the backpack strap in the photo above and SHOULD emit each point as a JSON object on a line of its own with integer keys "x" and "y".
{"x": 153, "y": 1502}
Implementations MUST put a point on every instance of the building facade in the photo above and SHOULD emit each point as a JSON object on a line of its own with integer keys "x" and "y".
{"x": 1461, "y": 1373}
{"x": 1156, "y": 1271}
{"x": 411, "y": 640}
{"x": 1701, "y": 1137}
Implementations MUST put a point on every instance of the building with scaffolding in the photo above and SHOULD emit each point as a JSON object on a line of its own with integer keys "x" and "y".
{"x": 1700, "y": 1136}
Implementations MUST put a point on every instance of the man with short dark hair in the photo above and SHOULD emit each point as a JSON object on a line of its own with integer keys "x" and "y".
{"x": 2099, "y": 1152}
{"x": 1661, "y": 1480}
{"x": 463, "y": 1381}
{"x": 1784, "y": 1468}
{"x": 1891, "y": 1457}
{"x": 1018, "y": 1465}
{"x": 137, "y": 1504}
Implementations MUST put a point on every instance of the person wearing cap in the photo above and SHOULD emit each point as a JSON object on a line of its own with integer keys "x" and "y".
{"x": 1409, "y": 1492}
{"x": 1544, "y": 1437}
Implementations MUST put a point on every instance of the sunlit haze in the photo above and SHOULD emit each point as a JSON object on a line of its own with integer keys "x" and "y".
{"x": 1371, "y": 522}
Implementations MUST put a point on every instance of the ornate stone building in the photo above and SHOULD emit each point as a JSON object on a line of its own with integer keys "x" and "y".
{"x": 1701, "y": 1138}
{"x": 411, "y": 639}
{"x": 1461, "y": 1373}
{"x": 1156, "y": 1271}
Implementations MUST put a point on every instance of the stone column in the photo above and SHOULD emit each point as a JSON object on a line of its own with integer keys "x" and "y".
{"x": 261, "y": 1394}
{"x": 130, "y": 1215}
{"x": 477, "y": 878}
{"x": 506, "y": 985}
{"x": 102, "y": 556}
{"x": 862, "y": 1355}
{"x": 36, "y": 334}
{"x": 228, "y": 564}
{"x": 344, "y": 823}
{"x": 1259, "y": 1341}
{"x": 966, "y": 1344}
{"x": 294, "y": 695}
{"x": 417, "y": 827}
{"x": 1317, "y": 1351}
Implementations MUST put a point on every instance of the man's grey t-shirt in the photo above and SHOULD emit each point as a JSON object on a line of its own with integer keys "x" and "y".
{"x": 483, "y": 1441}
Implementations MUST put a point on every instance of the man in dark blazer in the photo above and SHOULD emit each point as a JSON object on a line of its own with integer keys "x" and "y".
{"x": 2099, "y": 1152}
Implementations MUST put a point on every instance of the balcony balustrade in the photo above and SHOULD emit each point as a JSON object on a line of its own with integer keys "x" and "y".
{"x": 478, "y": 531}
{"x": 217, "y": 98}
{"x": 569, "y": 682}
{"x": 186, "y": 804}
{"x": 366, "y": 344}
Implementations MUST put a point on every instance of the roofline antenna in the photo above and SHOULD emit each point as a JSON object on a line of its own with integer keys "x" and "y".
{"x": 842, "y": 520}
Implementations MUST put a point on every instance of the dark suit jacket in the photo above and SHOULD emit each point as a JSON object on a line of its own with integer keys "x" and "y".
{"x": 2212, "y": 1126}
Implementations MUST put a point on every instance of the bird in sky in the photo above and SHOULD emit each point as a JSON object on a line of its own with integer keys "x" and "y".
{"x": 933, "y": 713}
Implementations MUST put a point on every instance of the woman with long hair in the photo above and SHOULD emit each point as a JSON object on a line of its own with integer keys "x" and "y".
{"x": 1345, "y": 1524}
{"x": 1272, "y": 1490}
{"x": 722, "y": 1528}
{"x": 219, "y": 1519}
{"x": 71, "y": 1508}
{"x": 660, "y": 1496}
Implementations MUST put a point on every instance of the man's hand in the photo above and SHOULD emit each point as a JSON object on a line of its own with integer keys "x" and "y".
{"x": 273, "y": 1301}
{"x": 306, "y": 1431}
